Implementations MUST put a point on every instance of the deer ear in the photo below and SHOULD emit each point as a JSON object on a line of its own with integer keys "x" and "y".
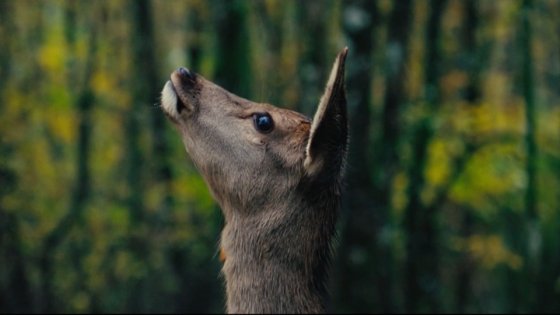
{"x": 328, "y": 138}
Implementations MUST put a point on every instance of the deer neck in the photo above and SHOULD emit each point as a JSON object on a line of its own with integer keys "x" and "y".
{"x": 277, "y": 258}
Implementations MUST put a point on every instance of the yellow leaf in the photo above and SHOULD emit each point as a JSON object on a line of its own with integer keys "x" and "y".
{"x": 490, "y": 251}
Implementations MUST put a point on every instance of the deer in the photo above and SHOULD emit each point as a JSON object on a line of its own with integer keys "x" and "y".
{"x": 277, "y": 177}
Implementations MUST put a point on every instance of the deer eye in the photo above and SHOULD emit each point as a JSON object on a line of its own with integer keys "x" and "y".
{"x": 263, "y": 122}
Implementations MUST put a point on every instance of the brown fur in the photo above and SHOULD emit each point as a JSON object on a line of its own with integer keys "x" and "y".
{"x": 279, "y": 191}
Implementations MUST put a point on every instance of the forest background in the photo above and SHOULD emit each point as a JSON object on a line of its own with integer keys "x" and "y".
{"x": 453, "y": 189}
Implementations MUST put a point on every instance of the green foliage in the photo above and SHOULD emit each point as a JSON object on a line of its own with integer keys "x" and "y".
{"x": 71, "y": 239}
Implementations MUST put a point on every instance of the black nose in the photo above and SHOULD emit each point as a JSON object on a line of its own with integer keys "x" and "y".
{"x": 186, "y": 73}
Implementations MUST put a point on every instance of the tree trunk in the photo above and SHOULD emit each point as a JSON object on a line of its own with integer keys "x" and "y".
{"x": 273, "y": 40}
{"x": 313, "y": 65}
{"x": 523, "y": 232}
{"x": 387, "y": 160}
{"x": 422, "y": 286}
{"x": 471, "y": 94}
{"x": 357, "y": 287}
{"x": 530, "y": 114}
{"x": 533, "y": 238}
{"x": 141, "y": 22}
{"x": 15, "y": 291}
{"x": 145, "y": 88}
{"x": 83, "y": 100}
{"x": 233, "y": 60}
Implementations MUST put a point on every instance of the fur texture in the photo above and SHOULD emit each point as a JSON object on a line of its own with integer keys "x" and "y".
{"x": 279, "y": 191}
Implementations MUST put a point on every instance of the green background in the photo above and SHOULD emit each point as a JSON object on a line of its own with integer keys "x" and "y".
{"x": 452, "y": 194}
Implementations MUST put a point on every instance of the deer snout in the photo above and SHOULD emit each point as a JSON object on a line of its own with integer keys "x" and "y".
{"x": 186, "y": 73}
{"x": 183, "y": 79}
{"x": 177, "y": 95}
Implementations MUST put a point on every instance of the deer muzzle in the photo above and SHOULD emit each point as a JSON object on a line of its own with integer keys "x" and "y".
{"x": 178, "y": 93}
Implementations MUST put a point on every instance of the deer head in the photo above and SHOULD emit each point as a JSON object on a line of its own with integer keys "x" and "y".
{"x": 276, "y": 175}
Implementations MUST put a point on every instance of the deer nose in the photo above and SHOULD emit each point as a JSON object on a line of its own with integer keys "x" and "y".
{"x": 186, "y": 73}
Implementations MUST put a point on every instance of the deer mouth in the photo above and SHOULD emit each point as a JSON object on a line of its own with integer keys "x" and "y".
{"x": 177, "y": 93}
{"x": 184, "y": 81}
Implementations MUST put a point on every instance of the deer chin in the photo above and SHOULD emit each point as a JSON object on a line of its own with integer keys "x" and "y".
{"x": 170, "y": 103}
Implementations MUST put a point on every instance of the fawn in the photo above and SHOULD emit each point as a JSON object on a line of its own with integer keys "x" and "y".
{"x": 277, "y": 178}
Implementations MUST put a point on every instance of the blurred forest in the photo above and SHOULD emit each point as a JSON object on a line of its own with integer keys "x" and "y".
{"x": 453, "y": 189}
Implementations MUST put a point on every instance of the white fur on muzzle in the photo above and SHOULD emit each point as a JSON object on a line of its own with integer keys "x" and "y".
{"x": 169, "y": 100}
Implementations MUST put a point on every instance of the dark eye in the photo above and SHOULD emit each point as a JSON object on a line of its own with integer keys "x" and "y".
{"x": 263, "y": 122}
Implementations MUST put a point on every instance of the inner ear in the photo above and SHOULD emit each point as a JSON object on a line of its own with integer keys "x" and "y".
{"x": 328, "y": 138}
